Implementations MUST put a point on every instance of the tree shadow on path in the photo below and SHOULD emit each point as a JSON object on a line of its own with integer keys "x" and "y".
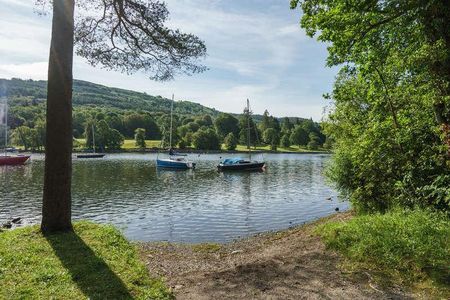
{"x": 88, "y": 271}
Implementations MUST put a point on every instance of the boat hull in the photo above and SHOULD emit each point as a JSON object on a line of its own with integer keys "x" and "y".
{"x": 13, "y": 160}
{"x": 90, "y": 155}
{"x": 251, "y": 166}
{"x": 173, "y": 164}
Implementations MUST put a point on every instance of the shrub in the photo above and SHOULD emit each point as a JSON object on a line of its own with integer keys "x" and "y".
{"x": 230, "y": 141}
{"x": 139, "y": 137}
{"x": 206, "y": 139}
{"x": 285, "y": 142}
{"x": 408, "y": 244}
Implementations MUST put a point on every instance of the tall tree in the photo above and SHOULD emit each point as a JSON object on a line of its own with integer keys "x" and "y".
{"x": 390, "y": 99}
{"x": 225, "y": 124}
{"x": 368, "y": 34}
{"x": 123, "y": 35}
{"x": 56, "y": 208}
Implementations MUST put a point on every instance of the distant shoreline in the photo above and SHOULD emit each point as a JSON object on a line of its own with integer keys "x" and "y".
{"x": 194, "y": 151}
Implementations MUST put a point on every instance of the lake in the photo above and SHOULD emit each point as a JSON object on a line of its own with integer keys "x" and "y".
{"x": 199, "y": 205}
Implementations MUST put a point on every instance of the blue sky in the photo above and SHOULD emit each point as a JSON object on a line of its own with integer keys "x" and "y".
{"x": 256, "y": 50}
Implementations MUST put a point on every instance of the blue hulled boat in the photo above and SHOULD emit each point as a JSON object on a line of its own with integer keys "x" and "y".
{"x": 175, "y": 161}
{"x": 239, "y": 164}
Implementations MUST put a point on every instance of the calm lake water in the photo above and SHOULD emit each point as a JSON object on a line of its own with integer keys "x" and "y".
{"x": 185, "y": 206}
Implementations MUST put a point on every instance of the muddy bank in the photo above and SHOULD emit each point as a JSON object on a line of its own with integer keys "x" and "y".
{"x": 290, "y": 264}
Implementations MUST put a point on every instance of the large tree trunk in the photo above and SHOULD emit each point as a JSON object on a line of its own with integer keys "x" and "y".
{"x": 56, "y": 210}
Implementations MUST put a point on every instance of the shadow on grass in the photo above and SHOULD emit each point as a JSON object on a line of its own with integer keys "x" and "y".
{"x": 88, "y": 271}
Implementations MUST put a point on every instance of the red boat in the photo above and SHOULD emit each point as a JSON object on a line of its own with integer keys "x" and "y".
{"x": 13, "y": 160}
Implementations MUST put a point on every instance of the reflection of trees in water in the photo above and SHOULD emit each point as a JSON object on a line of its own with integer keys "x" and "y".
{"x": 21, "y": 190}
{"x": 243, "y": 182}
{"x": 133, "y": 192}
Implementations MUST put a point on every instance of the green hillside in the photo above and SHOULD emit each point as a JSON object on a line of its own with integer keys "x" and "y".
{"x": 114, "y": 115}
{"x": 27, "y": 92}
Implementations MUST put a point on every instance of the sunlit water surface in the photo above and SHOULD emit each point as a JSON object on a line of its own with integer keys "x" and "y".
{"x": 185, "y": 206}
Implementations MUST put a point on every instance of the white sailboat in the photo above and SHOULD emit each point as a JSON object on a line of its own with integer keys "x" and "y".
{"x": 240, "y": 164}
{"x": 175, "y": 160}
{"x": 92, "y": 155}
{"x": 5, "y": 159}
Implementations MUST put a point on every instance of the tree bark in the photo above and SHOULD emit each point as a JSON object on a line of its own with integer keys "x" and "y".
{"x": 56, "y": 210}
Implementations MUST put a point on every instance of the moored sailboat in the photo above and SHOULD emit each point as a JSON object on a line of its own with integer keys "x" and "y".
{"x": 175, "y": 160}
{"x": 239, "y": 164}
{"x": 91, "y": 155}
{"x": 9, "y": 160}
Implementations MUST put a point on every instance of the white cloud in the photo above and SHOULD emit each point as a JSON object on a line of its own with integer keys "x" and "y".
{"x": 256, "y": 50}
{"x": 37, "y": 70}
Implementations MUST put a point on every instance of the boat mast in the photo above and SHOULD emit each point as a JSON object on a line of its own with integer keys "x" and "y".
{"x": 93, "y": 137}
{"x": 6, "y": 125}
{"x": 248, "y": 130}
{"x": 171, "y": 120}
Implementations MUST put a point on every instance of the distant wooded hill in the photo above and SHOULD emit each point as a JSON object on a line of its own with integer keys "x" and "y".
{"x": 29, "y": 92}
{"x": 115, "y": 114}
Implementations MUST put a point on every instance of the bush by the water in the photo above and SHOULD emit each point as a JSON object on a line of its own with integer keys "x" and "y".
{"x": 410, "y": 244}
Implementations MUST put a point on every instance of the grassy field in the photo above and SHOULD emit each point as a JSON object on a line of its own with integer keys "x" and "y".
{"x": 131, "y": 145}
{"x": 93, "y": 262}
{"x": 243, "y": 148}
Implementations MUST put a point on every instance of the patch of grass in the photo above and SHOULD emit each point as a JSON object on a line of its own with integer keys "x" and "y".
{"x": 243, "y": 148}
{"x": 93, "y": 262}
{"x": 131, "y": 144}
{"x": 411, "y": 246}
{"x": 206, "y": 247}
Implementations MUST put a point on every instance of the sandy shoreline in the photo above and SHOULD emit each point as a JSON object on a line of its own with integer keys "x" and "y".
{"x": 288, "y": 264}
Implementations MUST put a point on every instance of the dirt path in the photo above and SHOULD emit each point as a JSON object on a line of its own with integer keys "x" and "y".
{"x": 291, "y": 264}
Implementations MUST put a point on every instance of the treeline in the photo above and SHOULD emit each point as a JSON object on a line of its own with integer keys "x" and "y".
{"x": 111, "y": 127}
{"x": 113, "y": 115}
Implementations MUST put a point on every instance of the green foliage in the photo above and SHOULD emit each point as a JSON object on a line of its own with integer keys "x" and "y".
{"x": 124, "y": 111}
{"x": 285, "y": 141}
{"x": 140, "y": 120}
{"x": 31, "y": 93}
{"x": 182, "y": 144}
{"x": 29, "y": 138}
{"x": 412, "y": 244}
{"x": 271, "y": 137}
{"x": 230, "y": 142}
{"x": 115, "y": 139}
{"x": 93, "y": 262}
{"x": 246, "y": 122}
{"x": 206, "y": 139}
{"x": 105, "y": 137}
{"x": 314, "y": 141}
{"x": 225, "y": 124}
{"x": 139, "y": 137}
{"x": 385, "y": 157}
{"x": 299, "y": 136}
{"x": 286, "y": 125}
{"x": 391, "y": 114}
{"x": 22, "y": 136}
